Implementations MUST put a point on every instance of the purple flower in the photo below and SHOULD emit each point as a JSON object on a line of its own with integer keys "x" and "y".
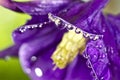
{"x": 61, "y": 29}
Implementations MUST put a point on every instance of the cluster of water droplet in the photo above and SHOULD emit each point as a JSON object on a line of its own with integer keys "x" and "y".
{"x": 31, "y": 27}
{"x": 97, "y": 59}
{"x": 66, "y": 25}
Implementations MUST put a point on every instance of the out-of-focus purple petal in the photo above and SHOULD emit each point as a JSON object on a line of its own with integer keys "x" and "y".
{"x": 11, "y": 51}
{"x": 115, "y": 72}
{"x": 7, "y": 4}
{"x": 114, "y": 44}
{"x": 10, "y": 5}
{"x": 42, "y": 7}
{"x": 115, "y": 28}
{"x": 78, "y": 70}
{"x": 36, "y": 54}
{"x": 43, "y": 63}
{"x": 110, "y": 43}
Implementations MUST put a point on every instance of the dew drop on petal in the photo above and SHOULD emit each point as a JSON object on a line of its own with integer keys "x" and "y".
{"x": 86, "y": 0}
{"x": 7, "y": 58}
{"x": 33, "y": 58}
{"x": 38, "y": 72}
{"x": 88, "y": 64}
{"x": 28, "y": 70}
{"x": 102, "y": 78}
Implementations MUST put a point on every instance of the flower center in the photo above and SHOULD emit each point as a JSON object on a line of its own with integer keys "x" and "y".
{"x": 68, "y": 49}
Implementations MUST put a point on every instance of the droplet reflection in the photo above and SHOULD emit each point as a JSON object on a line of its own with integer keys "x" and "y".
{"x": 28, "y": 70}
{"x": 33, "y": 58}
{"x": 38, "y": 72}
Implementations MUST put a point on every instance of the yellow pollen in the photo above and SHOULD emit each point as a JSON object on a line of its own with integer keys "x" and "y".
{"x": 68, "y": 49}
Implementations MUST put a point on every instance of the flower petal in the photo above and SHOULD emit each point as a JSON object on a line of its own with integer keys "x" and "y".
{"x": 85, "y": 15}
{"x": 98, "y": 59}
{"x": 42, "y": 7}
{"x": 11, "y": 51}
{"x": 36, "y": 32}
{"x": 115, "y": 28}
{"x": 114, "y": 44}
{"x": 78, "y": 66}
{"x": 38, "y": 63}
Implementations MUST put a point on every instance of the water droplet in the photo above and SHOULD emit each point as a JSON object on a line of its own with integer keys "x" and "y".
{"x": 88, "y": 64}
{"x": 86, "y": 0}
{"x": 61, "y": 25}
{"x": 93, "y": 75}
{"x": 7, "y": 58}
{"x": 86, "y": 34}
{"x": 91, "y": 36}
{"x": 85, "y": 55}
{"x": 69, "y": 27}
{"x": 96, "y": 37}
{"x": 34, "y": 26}
{"x": 78, "y": 31}
{"x": 22, "y": 30}
{"x": 38, "y": 72}
{"x": 102, "y": 78}
{"x": 28, "y": 70}
{"x": 99, "y": 46}
{"x": 33, "y": 58}
{"x": 40, "y": 25}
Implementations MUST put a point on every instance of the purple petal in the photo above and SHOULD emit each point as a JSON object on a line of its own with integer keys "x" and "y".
{"x": 85, "y": 15}
{"x": 98, "y": 59}
{"x": 11, "y": 51}
{"x": 114, "y": 44}
{"x": 42, "y": 62}
{"x": 36, "y": 54}
{"x": 10, "y": 5}
{"x": 110, "y": 43}
{"x": 37, "y": 32}
{"x": 42, "y": 7}
{"x": 115, "y": 72}
{"x": 78, "y": 70}
{"x": 115, "y": 28}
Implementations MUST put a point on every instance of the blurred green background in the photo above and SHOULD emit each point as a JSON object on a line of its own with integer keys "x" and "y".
{"x": 9, "y": 20}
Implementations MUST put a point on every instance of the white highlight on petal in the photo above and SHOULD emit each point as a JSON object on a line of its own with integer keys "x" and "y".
{"x": 38, "y": 72}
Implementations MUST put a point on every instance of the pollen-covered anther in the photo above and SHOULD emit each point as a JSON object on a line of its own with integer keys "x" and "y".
{"x": 68, "y": 49}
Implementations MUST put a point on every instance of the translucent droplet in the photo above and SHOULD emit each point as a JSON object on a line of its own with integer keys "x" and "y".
{"x": 7, "y": 58}
{"x": 40, "y": 25}
{"x": 62, "y": 25}
{"x": 85, "y": 34}
{"x": 85, "y": 55}
{"x": 93, "y": 75}
{"x": 91, "y": 36}
{"x": 70, "y": 27}
{"x": 88, "y": 64}
{"x": 28, "y": 70}
{"x": 86, "y": 0}
{"x": 78, "y": 31}
{"x": 38, "y": 72}
{"x": 102, "y": 78}
{"x": 96, "y": 37}
{"x": 33, "y": 58}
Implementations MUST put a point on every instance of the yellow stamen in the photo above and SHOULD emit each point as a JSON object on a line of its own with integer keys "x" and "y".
{"x": 68, "y": 49}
